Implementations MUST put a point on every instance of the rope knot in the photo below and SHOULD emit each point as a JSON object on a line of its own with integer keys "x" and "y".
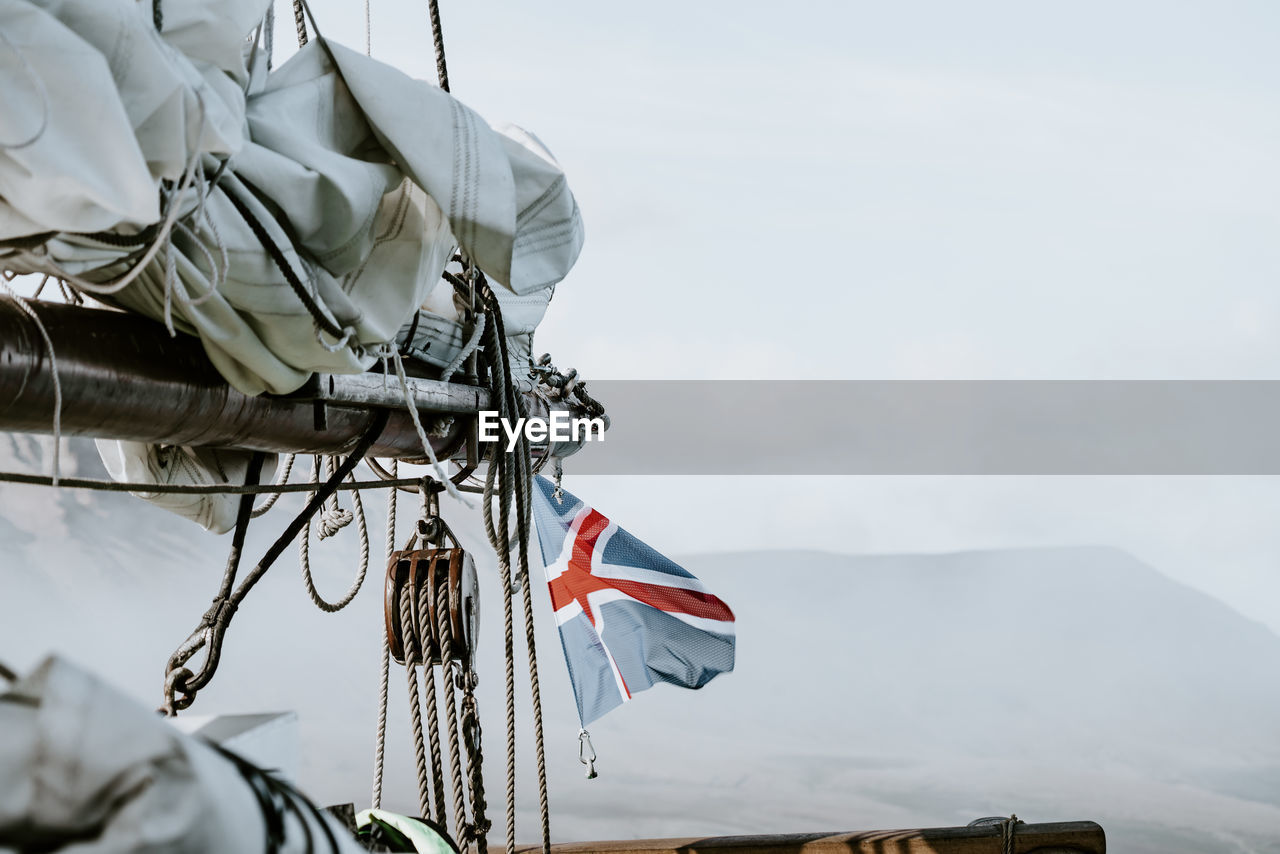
{"x": 333, "y": 520}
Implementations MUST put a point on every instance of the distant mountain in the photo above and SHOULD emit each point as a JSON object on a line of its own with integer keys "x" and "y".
{"x": 871, "y": 691}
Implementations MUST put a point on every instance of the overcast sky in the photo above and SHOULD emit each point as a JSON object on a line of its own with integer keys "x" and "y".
{"x": 903, "y": 191}
{"x": 911, "y": 190}
{"x": 856, "y": 190}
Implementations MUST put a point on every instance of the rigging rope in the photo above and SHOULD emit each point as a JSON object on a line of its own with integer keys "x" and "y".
{"x": 411, "y": 661}
{"x": 98, "y": 485}
{"x": 433, "y": 721}
{"x": 213, "y": 626}
{"x": 380, "y": 740}
{"x": 422, "y": 434}
{"x": 511, "y": 474}
{"x": 437, "y": 39}
{"x": 300, "y": 22}
{"x": 329, "y": 527}
{"x": 508, "y": 480}
{"x": 283, "y": 477}
{"x": 1008, "y": 828}
{"x": 445, "y": 630}
{"x": 318, "y": 314}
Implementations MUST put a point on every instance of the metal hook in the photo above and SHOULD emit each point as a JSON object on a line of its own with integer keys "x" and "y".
{"x": 430, "y": 492}
{"x": 557, "y": 472}
{"x": 585, "y": 747}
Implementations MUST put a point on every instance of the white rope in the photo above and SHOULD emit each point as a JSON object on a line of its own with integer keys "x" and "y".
{"x": 282, "y": 477}
{"x": 422, "y": 434}
{"x": 162, "y": 238}
{"x": 304, "y": 548}
{"x": 467, "y": 349}
{"x": 380, "y": 740}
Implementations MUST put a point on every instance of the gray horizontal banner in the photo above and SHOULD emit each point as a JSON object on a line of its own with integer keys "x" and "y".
{"x": 936, "y": 427}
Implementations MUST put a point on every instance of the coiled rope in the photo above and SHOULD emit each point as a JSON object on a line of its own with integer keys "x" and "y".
{"x": 333, "y": 519}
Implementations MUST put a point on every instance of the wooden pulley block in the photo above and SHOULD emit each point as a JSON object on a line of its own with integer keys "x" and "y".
{"x": 431, "y": 570}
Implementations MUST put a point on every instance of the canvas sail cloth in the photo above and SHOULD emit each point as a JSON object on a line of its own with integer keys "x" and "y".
{"x": 361, "y": 179}
{"x": 84, "y": 768}
{"x": 364, "y": 178}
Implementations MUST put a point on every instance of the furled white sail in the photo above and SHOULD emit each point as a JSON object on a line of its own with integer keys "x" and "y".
{"x": 85, "y": 768}
{"x": 294, "y": 218}
{"x": 363, "y": 179}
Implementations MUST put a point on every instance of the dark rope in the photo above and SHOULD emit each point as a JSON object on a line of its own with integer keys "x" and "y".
{"x": 276, "y": 796}
{"x": 437, "y": 38}
{"x": 300, "y": 21}
{"x": 124, "y": 241}
{"x": 321, "y": 319}
{"x": 213, "y": 626}
{"x": 96, "y": 485}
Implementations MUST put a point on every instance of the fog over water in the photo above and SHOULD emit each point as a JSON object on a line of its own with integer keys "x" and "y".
{"x": 872, "y": 690}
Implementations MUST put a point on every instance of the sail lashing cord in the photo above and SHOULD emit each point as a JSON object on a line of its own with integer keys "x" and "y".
{"x": 162, "y": 235}
{"x": 276, "y": 796}
{"x": 322, "y": 320}
{"x": 181, "y": 684}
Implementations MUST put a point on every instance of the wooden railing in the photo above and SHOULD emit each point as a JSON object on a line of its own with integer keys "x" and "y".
{"x": 1072, "y": 837}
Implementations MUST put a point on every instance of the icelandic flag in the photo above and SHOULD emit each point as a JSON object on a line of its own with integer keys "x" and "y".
{"x": 628, "y": 616}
